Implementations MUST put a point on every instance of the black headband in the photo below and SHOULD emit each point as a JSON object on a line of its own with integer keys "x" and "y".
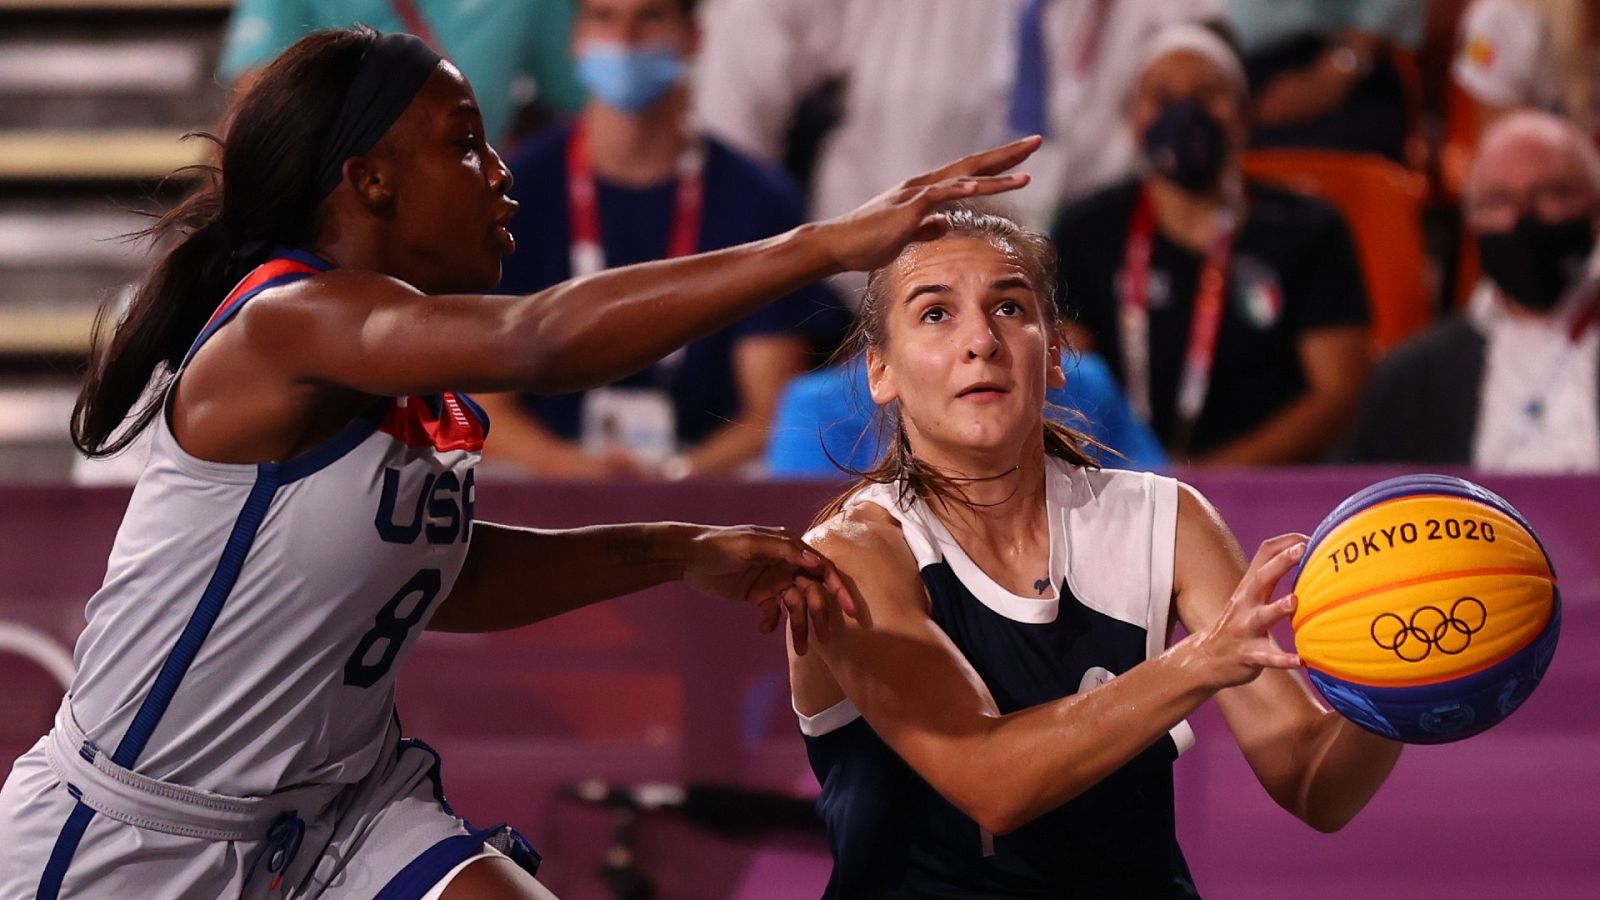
{"x": 392, "y": 71}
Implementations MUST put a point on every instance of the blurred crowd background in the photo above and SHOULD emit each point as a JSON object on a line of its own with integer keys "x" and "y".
{"x": 1381, "y": 213}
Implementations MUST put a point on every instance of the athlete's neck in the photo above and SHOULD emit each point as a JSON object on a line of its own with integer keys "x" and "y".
{"x": 1193, "y": 220}
{"x": 996, "y": 504}
{"x": 637, "y": 149}
{"x": 1003, "y": 525}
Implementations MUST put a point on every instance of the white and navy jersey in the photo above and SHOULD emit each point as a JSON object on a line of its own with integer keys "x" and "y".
{"x": 252, "y": 618}
{"x": 1112, "y": 537}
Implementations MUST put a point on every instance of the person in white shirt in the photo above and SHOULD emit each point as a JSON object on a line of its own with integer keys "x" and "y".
{"x": 1531, "y": 53}
{"x": 927, "y": 78}
{"x": 1513, "y": 385}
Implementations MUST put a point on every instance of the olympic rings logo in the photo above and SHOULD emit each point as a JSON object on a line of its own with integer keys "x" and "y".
{"x": 1429, "y": 629}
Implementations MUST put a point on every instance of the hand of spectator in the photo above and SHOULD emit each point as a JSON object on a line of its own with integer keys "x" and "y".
{"x": 770, "y": 568}
{"x": 1302, "y": 95}
{"x": 874, "y": 233}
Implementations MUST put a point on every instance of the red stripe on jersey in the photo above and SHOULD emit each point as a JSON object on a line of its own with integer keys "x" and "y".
{"x": 412, "y": 422}
{"x": 275, "y": 268}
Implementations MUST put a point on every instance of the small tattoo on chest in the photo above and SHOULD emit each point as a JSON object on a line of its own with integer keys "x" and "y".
{"x": 1042, "y": 585}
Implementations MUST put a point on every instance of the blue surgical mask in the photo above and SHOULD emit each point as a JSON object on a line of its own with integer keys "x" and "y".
{"x": 629, "y": 78}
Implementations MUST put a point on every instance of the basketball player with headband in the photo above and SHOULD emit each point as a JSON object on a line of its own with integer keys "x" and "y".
{"x": 308, "y": 507}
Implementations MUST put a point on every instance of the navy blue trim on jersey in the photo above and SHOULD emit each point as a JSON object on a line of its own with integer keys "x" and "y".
{"x": 61, "y": 854}
{"x": 233, "y": 310}
{"x": 200, "y": 622}
{"x": 303, "y": 256}
{"x": 299, "y": 256}
{"x": 478, "y": 411}
{"x": 434, "y": 774}
{"x": 333, "y": 449}
{"x": 421, "y": 874}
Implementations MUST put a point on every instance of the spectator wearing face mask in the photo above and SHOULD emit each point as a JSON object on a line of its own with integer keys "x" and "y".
{"x": 1232, "y": 313}
{"x": 629, "y": 181}
{"x": 1513, "y": 384}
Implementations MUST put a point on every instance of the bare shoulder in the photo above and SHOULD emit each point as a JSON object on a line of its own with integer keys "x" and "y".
{"x": 337, "y": 292}
{"x": 1195, "y": 511}
{"x": 1207, "y": 553}
{"x": 866, "y": 544}
{"x": 863, "y": 539}
{"x": 329, "y": 313}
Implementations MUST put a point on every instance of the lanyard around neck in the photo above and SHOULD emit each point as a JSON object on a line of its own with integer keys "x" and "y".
{"x": 1134, "y": 321}
{"x": 587, "y": 254}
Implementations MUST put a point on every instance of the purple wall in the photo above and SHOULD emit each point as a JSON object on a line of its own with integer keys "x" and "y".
{"x": 670, "y": 685}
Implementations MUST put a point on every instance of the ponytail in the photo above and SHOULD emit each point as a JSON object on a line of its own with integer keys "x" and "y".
{"x": 146, "y": 345}
{"x": 263, "y": 195}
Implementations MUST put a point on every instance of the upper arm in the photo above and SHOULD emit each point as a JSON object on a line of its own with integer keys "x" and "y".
{"x": 373, "y": 334}
{"x": 1329, "y": 307}
{"x": 1336, "y": 360}
{"x": 1274, "y": 716}
{"x": 1325, "y": 284}
{"x": 903, "y": 673}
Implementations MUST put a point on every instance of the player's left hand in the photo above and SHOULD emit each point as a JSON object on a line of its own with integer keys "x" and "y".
{"x": 772, "y": 569}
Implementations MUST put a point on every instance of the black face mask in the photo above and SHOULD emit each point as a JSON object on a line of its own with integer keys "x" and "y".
{"x": 1186, "y": 146}
{"x": 1536, "y": 262}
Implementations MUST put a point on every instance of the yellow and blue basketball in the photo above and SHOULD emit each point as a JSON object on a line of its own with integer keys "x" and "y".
{"x": 1428, "y": 609}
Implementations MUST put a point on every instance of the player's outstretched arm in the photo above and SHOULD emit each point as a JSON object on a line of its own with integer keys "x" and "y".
{"x": 1315, "y": 763}
{"x": 516, "y": 576}
{"x": 376, "y": 335}
{"x": 924, "y": 699}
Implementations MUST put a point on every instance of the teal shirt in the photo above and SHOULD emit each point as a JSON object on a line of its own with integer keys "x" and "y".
{"x": 502, "y": 46}
{"x": 1260, "y": 24}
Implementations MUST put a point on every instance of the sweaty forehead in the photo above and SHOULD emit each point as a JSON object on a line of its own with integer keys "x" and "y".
{"x": 945, "y": 258}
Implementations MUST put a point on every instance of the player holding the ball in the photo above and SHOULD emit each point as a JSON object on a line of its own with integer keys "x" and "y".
{"x": 1002, "y": 718}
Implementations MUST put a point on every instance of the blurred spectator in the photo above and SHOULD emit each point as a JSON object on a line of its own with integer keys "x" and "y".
{"x": 1322, "y": 71}
{"x": 630, "y": 182}
{"x": 826, "y": 420}
{"x": 1513, "y": 384}
{"x": 513, "y": 51}
{"x": 1233, "y": 314}
{"x": 925, "y": 80}
{"x": 1531, "y": 53}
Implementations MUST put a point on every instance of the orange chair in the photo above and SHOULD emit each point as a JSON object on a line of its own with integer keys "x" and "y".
{"x": 1382, "y": 202}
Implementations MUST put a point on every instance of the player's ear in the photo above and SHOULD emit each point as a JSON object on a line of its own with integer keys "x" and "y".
{"x": 1055, "y": 374}
{"x": 373, "y": 179}
{"x": 880, "y": 386}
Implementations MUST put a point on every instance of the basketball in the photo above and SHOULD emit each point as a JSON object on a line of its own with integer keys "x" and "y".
{"x": 1428, "y": 609}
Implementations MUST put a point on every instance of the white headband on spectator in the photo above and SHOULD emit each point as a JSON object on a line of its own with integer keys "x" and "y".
{"x": 1191, "y": 38}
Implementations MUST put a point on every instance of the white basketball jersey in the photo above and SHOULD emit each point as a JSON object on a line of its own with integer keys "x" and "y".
{"x": 252, "y": 618}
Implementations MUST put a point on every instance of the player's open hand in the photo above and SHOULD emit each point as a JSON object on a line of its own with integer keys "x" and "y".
{"x": 770, "y": 568}
{"x": 1238, "y": 646}
{"x": 874, "y": 234}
